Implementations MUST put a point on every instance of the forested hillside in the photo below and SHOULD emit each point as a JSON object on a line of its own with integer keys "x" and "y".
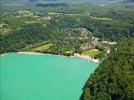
{"x": 113, "y": 79}
{"x": 26, "y": 28}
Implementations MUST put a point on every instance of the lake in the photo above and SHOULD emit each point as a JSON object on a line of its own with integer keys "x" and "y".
{"x": 43, "y": 77}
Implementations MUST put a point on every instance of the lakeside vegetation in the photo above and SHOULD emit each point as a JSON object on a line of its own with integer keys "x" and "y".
{"x": 113, "y": 79}
{"x": 69, "y": 31}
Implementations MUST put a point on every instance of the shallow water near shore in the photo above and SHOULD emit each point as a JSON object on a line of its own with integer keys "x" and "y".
{"x": 43, "y": 77}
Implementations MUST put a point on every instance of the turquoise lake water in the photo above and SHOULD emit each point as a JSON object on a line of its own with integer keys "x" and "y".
{"x": 43, "y": 77}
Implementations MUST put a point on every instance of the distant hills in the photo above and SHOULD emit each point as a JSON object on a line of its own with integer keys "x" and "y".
{"x": 129, "y": 1}
{"x": 62, "y": 1}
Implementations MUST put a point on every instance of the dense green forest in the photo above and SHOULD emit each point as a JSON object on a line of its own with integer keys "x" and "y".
{"x": 113, "y": 79}
{"x": 25, "y": 28}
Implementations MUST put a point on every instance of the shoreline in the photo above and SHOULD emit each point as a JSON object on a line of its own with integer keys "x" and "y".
{"x": 32, "y": 53}
{"x": 3, "y": 54}
{"x": 84, "y": 57}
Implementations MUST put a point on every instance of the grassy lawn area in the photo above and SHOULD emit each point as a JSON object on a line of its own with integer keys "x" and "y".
{"x": 42, "y": 48}
{"x": 71, "y": 51}
{"x": 97, "y": 18}
{"x": 32, "y": 22}
{"x": 91, "y": 53}
{"x": 54, "y": 13}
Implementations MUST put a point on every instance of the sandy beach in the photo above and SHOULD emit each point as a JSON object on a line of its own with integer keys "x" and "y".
{"x": 84, "y": 57}
{"x": 31, "y": 53}
{"x": 3, "y": 54}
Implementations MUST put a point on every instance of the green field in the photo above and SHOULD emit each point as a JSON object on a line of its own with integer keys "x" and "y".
{"x": 42, "y": 48}
{"x": 32, "y": 22}
{"x": 91, "y": 53}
